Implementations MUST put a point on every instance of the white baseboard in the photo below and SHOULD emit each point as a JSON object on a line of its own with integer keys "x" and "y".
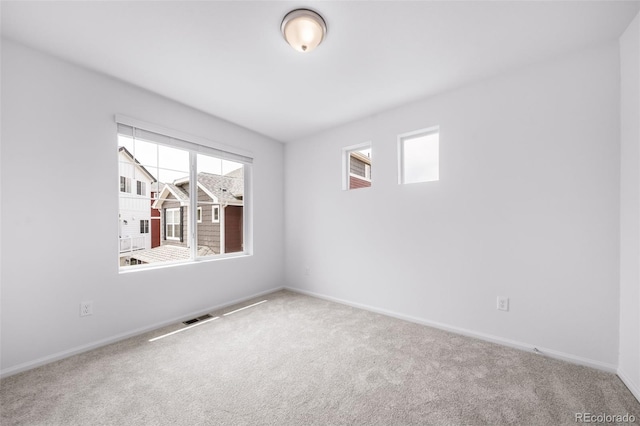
{"x": 470, "y": 333}
{"x": 490, "y": 338}
{"x": 103, "y": 342}
{"x": 633, "y": 387}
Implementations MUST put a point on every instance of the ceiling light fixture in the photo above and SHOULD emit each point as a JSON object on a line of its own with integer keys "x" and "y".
{"x": 303, "y": 29}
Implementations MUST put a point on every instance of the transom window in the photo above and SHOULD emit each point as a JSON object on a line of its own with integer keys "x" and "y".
{"x": 419, "y": 156}
{"x": 357, "y": 166}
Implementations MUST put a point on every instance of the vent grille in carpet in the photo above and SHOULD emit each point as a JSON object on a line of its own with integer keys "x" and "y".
{"x": 195, "y": 320}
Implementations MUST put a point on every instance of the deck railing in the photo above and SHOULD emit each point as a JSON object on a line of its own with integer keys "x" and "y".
{"x": 129, "y": 244}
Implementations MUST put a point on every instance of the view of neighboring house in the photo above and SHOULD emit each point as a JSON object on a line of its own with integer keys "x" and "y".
{"x": 359, "y": 170}
{"x": 155, "y": 215}
{"x": 219, "y": 218}
{"x": 135, "y": 213}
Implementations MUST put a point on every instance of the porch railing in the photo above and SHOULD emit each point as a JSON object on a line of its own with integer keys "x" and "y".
{"x": 129, "y": 244}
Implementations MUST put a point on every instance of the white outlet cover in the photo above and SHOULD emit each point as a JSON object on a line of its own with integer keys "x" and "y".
{"x": 86, "y": 308}
{"x": 503, "y": 303}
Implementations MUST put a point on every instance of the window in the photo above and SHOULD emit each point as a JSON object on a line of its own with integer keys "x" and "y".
{"x": 125, "y": 184}
{"x": 357, "y": 166}
{"x": 221, "y": 183}
{"x": 173, "y": 224}
{"x": 190, "y": 182}
{"x": 418, "y": 155}
{"x": 215, "y": 214}
{"x": 141, "y": 188}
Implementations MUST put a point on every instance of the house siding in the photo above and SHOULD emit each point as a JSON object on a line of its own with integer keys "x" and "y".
{"x": 355, "y": 182}
{"x": 208, "y": 232}
{"x": 357, "y": 166}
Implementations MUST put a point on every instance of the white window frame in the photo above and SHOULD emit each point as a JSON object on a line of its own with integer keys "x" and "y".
{"x": 413, "y": 135}
{"x": 145, "y": 226}
{"x": 199, "y": 215}
{"x": 346, "y": 163}
{"x": 195, "y": 145}
{"x": 174, "y": 225}
{"x": 215, "y": 213}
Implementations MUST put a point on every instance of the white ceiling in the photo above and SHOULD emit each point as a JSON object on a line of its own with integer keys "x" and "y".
{"x": 229, "y": 58}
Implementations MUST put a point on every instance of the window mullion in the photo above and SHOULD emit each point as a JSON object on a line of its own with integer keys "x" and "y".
{"x": 193, "y": 201}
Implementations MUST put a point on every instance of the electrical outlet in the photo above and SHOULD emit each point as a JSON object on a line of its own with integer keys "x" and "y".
{"x": 86, "y": 308}
{"x": 503, "y": 303}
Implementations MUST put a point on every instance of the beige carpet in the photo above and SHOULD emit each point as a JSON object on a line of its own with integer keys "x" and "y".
{"x": 297, "y": 360}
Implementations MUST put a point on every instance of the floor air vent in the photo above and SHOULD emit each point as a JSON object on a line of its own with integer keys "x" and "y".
{"x": 195, "y": 320}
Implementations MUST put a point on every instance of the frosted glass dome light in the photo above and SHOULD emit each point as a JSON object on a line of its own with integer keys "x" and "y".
{"x": 303, "y": 29}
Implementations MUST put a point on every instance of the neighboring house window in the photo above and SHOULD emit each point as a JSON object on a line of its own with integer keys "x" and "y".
{"x": 419, "y": 156}
{"x": 125, "y": 184}
{"x": 190, "y": 182}
{"x": 172, "y": 224}
{"x": 357, "y": 166}
{"x": 215, "y": 214}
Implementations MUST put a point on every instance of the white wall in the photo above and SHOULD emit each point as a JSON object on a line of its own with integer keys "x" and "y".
{"x": 527, "y": 207}
{"x": 629, "y": 361}
{"x": 59, "y": 232}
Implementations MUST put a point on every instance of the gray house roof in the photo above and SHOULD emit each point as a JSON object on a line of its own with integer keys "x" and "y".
{"x": 226, "y": 189}
{"x": 178, "y": 192}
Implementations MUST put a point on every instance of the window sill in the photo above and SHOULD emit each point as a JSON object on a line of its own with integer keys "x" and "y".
{"x": 151, "y": 267}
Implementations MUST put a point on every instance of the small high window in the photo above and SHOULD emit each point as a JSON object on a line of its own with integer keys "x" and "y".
{"x": 419, "y": 156}
{"x": 357, "y": 166}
